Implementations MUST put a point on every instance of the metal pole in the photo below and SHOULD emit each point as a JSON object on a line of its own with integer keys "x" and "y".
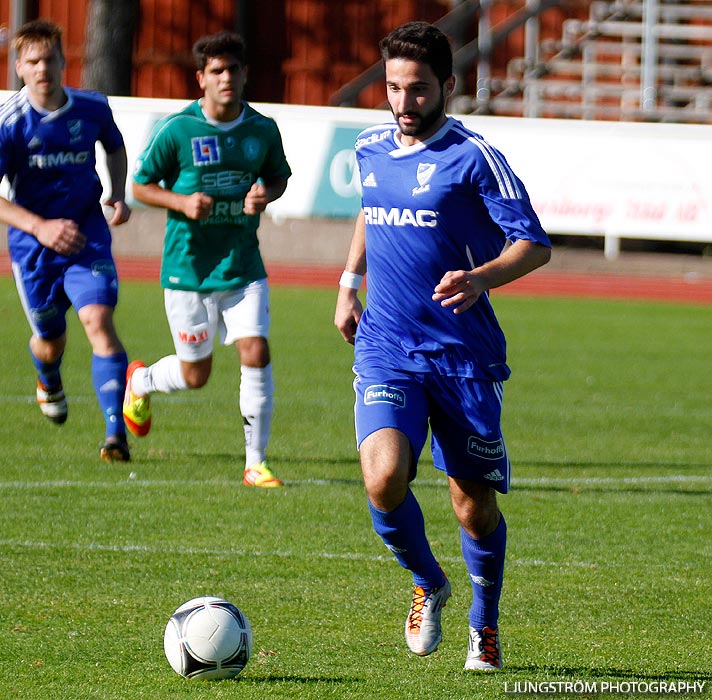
{"x": 531, "y": 36}
{"x": 18, "y": 16}
{"x": 531, "y": 59}
{"x": 649, "y": 69}
{"x": 484, "y": 42}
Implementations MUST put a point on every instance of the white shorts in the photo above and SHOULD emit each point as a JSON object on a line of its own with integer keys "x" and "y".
{"x": 195, "y": 318}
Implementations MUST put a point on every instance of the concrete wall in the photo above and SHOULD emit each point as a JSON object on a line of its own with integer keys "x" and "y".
{"x": 299, "y": 241}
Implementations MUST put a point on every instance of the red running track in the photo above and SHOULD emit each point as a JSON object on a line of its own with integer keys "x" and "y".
{"x": 688, "y": 290}
{"x": 692, "y": 290}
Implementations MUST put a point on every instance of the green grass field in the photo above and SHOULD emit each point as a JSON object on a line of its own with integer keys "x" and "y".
{"x": 607, "y": 416}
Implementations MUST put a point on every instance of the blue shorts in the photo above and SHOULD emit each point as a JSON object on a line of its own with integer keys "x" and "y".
{"x": 49, "y": 285}
{"x": 463, "y": 415}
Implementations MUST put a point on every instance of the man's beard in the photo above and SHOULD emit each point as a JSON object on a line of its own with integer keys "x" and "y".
{"x": 426, "y": 120}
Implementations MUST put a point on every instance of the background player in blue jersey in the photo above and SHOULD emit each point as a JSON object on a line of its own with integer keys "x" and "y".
{"x": 59, "y": 240}
{"x": 443, "y": 220}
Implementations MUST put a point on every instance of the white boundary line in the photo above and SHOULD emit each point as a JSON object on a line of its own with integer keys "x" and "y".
{"x": 229, "y": 553}
{"x": 132, "y": 481}
{"x": 164, "y": 548}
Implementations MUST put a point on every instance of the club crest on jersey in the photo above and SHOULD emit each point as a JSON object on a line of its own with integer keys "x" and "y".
{"x": 425, "y": 172}
{"x": 206, "y": 150}
{"x": 75, "y": 130}
{"x": 251, "y": 148}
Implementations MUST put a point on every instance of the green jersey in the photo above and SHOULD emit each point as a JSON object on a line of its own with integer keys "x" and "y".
{"x": 187, "y": 154}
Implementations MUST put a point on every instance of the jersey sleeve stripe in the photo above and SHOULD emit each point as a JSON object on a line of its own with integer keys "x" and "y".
{"x": 508, "y": 186}
{"x": 13, "y": 109}
{"x": 507, "y": 181}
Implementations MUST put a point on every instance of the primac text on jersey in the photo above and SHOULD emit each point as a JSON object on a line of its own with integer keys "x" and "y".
{"x": 53, "y": 160}
{"x": 380, "y": 216}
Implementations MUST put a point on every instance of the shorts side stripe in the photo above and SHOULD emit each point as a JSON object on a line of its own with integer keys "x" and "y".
{"x": 17, "y": 274}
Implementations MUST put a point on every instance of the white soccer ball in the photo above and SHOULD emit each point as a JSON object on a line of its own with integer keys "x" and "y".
{"x": 208, "y": 638}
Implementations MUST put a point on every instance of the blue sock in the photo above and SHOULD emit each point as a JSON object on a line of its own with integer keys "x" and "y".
{"x": 109, "y": 377}
{"x": 484, "y": 558}
{"x": 48, "y": 372}
{"x": 403, "y": 532}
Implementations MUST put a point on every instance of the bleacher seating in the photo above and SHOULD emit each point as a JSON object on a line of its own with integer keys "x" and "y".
{"x": 631, "y": 60}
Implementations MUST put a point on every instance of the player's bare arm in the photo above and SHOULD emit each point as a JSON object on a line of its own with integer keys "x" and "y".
{"x": 262, "y": 193}
{"x": 60, "y": 235}
{"x": 116, "y": 164}
{"x": 195, "y": 206}
{"x": 460, "y": 289}
{"x": 348, "y": 306}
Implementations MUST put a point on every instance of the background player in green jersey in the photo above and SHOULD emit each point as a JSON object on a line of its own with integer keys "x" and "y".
{"x": 214, "y": 166}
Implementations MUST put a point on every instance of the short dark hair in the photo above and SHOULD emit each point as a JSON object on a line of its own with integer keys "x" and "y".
{"x": 38, "y": 31}
{"x": 220, "y": 44}
{"x": 422, "y": 42}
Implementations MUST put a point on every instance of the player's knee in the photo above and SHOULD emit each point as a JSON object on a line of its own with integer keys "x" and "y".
{"x": 48, "y": 350}
{"x": 386, "y": 495}
{"x": 385, "y": 465}
{"x": 254, "y": 352}
{"x": 475, "y": 506}
{"x": 196, "y": 374}
{"x": 98, "y": 322}
{"x": 478, "y": 519}
{"x": 196, "y": 381}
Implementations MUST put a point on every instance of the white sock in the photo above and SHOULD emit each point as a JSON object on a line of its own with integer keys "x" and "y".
{"x": 165, "y": 376}
{"x": 256, "y": 393}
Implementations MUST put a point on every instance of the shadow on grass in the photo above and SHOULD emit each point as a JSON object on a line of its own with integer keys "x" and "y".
{"x": 162, "y": 454}
{"x": 300, "y": 680}
{"x": 593, "y": 464}
{"x": 429, "y": 477}
{"x": 583, "y": 488}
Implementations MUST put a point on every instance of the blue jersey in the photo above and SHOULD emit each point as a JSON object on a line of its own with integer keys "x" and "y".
{"x": 50, "y": 162}
{"x": 449, "y": 203}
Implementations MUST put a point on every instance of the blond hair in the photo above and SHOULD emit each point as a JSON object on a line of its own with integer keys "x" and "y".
{"x": 39, "y": 31}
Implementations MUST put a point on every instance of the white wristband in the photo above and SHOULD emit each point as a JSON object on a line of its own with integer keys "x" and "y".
{"x": 351, "y": 280}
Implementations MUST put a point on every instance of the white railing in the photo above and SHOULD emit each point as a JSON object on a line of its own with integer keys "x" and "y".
{"x": 639, "y": 60}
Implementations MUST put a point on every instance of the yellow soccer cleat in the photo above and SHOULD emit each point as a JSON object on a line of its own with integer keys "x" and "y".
{"x": 261, "y": 475}
{"x": 137, "y": 409}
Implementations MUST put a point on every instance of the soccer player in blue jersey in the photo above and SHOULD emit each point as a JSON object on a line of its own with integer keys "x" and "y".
{"x": 443, "y": 220}
{"x": 59, "y": 240}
